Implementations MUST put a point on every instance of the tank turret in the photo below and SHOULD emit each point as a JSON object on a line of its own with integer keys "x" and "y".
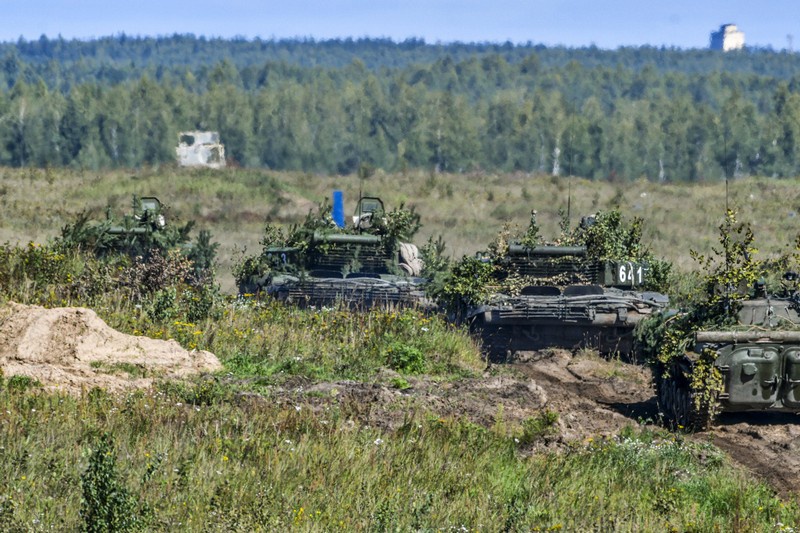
{"x": 567, "y": 295}
{"x": 364, "y": 265}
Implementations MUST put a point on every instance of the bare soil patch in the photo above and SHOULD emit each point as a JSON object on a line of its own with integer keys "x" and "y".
{"x": 765, "y": 444}
{"x": 593, "y": 397}
{"x": 71, "y": 349}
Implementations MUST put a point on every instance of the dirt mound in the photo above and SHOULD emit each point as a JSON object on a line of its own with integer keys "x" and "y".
{"x": 71, "y": 348}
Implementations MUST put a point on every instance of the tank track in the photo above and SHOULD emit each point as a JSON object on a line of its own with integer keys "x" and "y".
{"x": 363, "y": 293}
{"x": 501, "y": 342}
{"x": 676, "y": 399}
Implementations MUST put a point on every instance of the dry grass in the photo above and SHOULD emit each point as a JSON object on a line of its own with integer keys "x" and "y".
{"x": 466, "y": 209}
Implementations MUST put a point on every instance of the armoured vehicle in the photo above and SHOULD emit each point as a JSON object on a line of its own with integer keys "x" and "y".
{"x": 362, "y": 266}
{"x": 753, "y": 365}
{"x": 568, "y": 299}
{"x": 135, "y": 234}
{"x": 131, "y": 233}
{"x": 140, "y": 234}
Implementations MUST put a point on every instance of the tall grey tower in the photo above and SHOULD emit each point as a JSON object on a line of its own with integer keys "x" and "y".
{"x": 729, "y": 37}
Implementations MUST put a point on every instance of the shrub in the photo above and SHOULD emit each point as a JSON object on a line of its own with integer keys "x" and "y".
{"x": 106, "y": 504}
{"x": 537, "y": 427}
{"x": 400, "y": 383}
{"x": 406, "y": 359}
{"x": 22, "y": 383}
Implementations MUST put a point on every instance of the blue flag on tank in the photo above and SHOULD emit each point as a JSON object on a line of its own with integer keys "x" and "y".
{"x": 338, "y": 208}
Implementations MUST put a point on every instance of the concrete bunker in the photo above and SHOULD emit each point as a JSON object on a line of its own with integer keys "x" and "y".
{"x": 200, "y": 149}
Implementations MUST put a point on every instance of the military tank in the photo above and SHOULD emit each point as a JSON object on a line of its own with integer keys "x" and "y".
{"x": 735, "y": 346}
{"x": 569, "y": 300}
{"x": 750, "y": 365}
{"x": 139, "y": 235}
{"x": 570, "y": 295}
{"x": 362, "y": 266}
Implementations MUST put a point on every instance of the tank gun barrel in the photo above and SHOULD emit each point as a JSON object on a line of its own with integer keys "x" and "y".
{"x": 344, "y": 238}
{"x": 519, "y": 249}
{"x": 121, "y": 230}
{"x": 747, "y": 336}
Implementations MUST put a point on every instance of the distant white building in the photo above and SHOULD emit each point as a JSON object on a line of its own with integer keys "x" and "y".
{"x": 729, "y": 37}
{"x": 200, "y": 149}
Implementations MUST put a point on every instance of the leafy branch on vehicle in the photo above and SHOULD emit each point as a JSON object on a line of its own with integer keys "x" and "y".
{"x": 606, "y": 236}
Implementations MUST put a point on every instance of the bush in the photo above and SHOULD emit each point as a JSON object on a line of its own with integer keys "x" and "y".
{"x": 22, "y": 383}
{"x": 537, "y": 427}
{"x": 405, "y": 359}
{"x": 400, "y": 383}
{"x": 106, "y": 504}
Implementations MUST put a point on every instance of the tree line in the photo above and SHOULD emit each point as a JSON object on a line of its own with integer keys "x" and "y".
{"x": 320, "y": 107}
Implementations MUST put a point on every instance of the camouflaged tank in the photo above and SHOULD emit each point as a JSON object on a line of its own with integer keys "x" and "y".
{"x": 358, "y": 267}
{"x": 569, "y": 300}
{"x": 136, "y": 234}
{"x": 753, "y": 365}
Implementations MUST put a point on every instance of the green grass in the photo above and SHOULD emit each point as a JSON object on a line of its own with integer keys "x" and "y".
{"x": 224, "y": 465}
{"x": 211, "y": 455}
{"x": 468, "y": 210}
{"x": 132, "y": 370}
{"x": 273, "y": 341}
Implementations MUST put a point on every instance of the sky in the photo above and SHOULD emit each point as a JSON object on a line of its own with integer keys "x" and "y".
{"x": 573, "y": 23}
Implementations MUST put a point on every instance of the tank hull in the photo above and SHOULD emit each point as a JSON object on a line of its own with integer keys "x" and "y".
{"x": 758, "y": 368}
{"x": 352, "y": 293}
{"x": 604, "y": 320}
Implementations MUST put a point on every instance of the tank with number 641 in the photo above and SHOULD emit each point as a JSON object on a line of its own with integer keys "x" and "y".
{"x": 565, "y": 297}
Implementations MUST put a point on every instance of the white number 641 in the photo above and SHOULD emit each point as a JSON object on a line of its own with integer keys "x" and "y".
{"x": 630, "y": 274}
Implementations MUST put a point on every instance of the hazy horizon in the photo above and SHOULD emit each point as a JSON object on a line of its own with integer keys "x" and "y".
{"x": 570, "y": 23}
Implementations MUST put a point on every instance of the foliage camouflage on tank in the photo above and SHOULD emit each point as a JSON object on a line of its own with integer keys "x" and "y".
{"x": 590, "y": 288}
{"x": 139, "y": 235}
{"x": 320, "y": 264}
{"x": 737, "y": 347}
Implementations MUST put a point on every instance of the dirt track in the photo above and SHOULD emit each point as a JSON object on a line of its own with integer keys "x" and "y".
{"x": 592, "y": 396}
{"x": 766, "y": 444}
{"x": 71, "y": 349}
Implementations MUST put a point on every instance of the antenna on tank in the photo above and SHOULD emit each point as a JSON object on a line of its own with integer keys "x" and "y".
{"x": 726, "y": 192}
{"x": 725, "y": 170}
{"x": 569, "y": 199}
{"x": 364, "y": 172}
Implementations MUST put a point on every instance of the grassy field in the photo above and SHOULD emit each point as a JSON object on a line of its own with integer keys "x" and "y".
{"x": 176, "y": 463}
{"x": 468, "y": 210}
{"x": 228, "y": 453}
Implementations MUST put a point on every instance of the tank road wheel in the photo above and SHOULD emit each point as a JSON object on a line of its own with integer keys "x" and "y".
{"x": 676, "y": 399}
{"x": 497, "y": 344}
{"x": 496, "y": 340}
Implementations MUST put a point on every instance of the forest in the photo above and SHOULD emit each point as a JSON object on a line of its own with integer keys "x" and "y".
{"x": 339, "y": 106}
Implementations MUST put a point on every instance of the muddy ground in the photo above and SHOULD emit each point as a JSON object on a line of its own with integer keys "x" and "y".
{"x": 593, "y": 397}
